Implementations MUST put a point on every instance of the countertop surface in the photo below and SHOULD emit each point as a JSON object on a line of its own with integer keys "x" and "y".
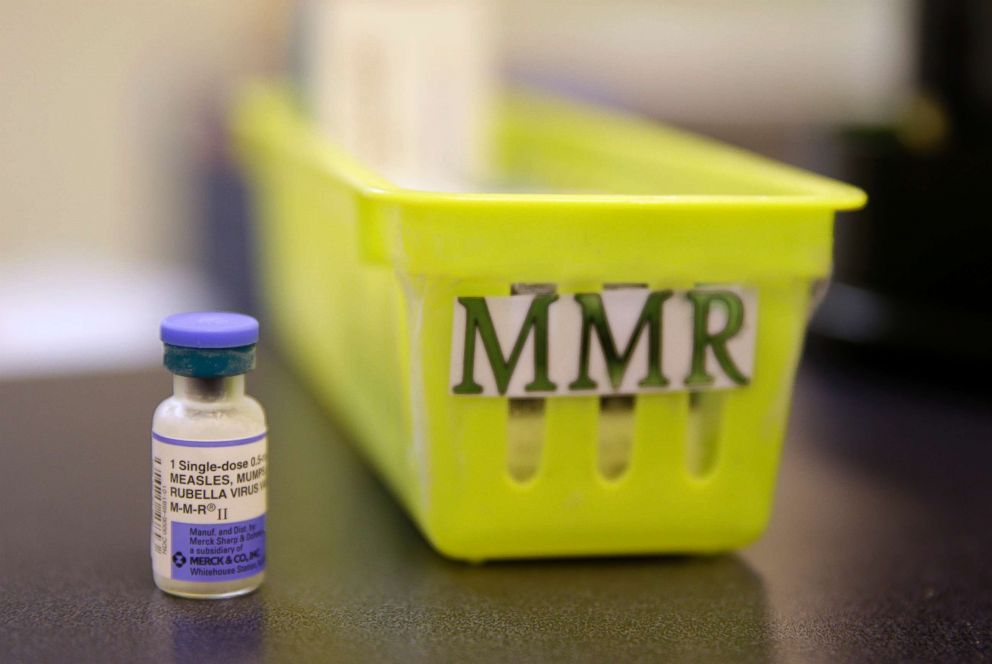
{"x": 879, "y": 549}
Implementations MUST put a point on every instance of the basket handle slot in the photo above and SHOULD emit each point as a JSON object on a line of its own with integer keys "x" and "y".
{"x": 524, "y": 438}
{"x": 703, "y": 428}
{"x": 616, "y": 436}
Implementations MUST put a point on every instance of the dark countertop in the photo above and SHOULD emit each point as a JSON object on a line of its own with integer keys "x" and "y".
{"x": 880, "y": 547}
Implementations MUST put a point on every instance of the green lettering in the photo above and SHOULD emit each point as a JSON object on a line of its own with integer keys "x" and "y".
{"x": 477, "y": 318}
{"x": 702, "y": 302}
{"x": 594, "y": 318}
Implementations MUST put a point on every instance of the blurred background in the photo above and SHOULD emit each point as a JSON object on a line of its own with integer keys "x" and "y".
{"x": 119, "y": 201}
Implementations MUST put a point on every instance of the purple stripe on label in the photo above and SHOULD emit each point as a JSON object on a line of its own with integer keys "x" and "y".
{"x": 208, "y": 443}
{"x": 218, "y": 551}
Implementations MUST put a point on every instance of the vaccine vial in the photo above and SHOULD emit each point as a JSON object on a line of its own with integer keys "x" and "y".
{"x": 209, "y": 461}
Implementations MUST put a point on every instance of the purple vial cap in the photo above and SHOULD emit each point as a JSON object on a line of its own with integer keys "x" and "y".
{"x": 210, "y": 329}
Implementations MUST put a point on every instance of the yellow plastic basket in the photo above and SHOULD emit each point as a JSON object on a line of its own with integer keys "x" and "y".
{"x": 361, "y": 277}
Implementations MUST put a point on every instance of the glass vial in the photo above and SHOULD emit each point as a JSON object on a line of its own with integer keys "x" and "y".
{"x": 209, "y": 459}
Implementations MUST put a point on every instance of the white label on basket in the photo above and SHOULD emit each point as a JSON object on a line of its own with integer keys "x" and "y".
{"x": 621, "y": 341}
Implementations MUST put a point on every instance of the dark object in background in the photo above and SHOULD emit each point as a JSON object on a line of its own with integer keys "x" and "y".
{"x": 227, "y": 239}
{"x": 913, "y": 271}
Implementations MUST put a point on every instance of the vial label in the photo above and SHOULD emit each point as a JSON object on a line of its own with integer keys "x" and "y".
{"x": 208, "y": 508}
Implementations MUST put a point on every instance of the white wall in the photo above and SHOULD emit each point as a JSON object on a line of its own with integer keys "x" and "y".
{"x": 105, "y": 114}
{"x": 712, "y": 62}
{"x": 102, "y": 114}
